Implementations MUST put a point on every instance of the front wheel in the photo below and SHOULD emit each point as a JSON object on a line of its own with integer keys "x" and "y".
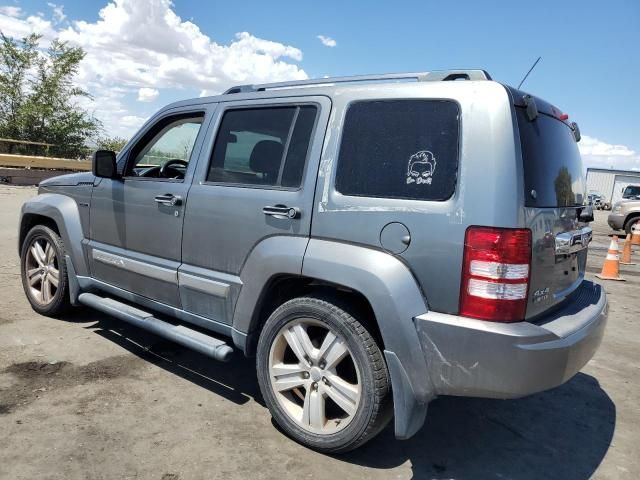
{"x": 322, "y": 375}
{"x": 631, "y": 225}
{"x": 44, "y": 273}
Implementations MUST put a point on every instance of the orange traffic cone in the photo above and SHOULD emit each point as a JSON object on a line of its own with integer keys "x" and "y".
{"x": 626, "y": 252}
{"x": 635, "y": 235}
{"x": 611, "y": 267}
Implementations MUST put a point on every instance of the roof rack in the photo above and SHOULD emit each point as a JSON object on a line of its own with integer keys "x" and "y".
{"x": 435, "y": 76}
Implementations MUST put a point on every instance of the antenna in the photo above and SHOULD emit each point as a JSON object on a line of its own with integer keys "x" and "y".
{"x": 532, "y": 67}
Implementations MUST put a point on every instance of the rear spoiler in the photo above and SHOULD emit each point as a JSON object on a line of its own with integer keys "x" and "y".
{"x": 535, "y": 105}
{"x": 521, "y": 99}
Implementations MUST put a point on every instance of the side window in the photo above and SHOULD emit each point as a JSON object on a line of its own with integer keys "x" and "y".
{"x": 165, "y": 151}
{"x": 406, "y": 149}
{"x": 263, "y": 146}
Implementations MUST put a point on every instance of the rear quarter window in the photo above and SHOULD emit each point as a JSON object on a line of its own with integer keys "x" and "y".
{"x": 404, "y": 149}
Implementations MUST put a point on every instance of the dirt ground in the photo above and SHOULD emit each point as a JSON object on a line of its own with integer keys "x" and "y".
{"x": 90, "y": 397}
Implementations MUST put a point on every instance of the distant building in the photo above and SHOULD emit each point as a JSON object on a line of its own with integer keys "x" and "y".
{"x": 610, "y": 183}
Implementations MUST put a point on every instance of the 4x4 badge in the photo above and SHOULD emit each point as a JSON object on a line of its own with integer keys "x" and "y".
{"x": 422, "y": 166}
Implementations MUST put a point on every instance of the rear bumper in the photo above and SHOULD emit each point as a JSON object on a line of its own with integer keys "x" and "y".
{"x": 616, "y": 221}
{"x": 470, "y": 357}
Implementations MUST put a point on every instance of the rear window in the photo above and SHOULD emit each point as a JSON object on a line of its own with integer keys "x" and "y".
{"x": 552, "y": 164}
{"x": 406, "y": 149}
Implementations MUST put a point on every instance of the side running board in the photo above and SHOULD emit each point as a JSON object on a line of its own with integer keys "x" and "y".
{"x": 212, "y": 347}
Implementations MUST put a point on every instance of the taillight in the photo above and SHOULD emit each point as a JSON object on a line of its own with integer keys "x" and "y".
{"x": 495, "y": 273}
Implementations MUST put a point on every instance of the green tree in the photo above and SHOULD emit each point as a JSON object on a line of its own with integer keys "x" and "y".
{"x": 42, "y": 99}
{"x": 564, "y": 190}
{"x": 111, "y": 143}
{"x": 16, "y": 58}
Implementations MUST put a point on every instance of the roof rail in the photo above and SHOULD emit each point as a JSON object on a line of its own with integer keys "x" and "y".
{"x": 435, "y": 76}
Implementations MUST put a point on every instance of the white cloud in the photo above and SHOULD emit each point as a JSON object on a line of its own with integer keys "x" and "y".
{"x": 58, "y": 12}
{"x": 593, "y": 146}
{"x": 138, "y": 44}
{"x": 147, "y": 44}
{"x": 327, "y": 41}
{"x": 132, "y": 121}
{"x": 599, "y": 154}
{"x": 13, "y": 25}
{"x": 11, "y": 11}
{"x": 147, "y": 94}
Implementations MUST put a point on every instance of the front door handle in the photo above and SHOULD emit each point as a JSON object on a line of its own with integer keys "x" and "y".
{"x": 281, "y": 211}
{"x": 168, "y": 199}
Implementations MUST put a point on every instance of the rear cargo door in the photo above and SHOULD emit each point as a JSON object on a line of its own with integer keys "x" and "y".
{"x": 554, "y": 196}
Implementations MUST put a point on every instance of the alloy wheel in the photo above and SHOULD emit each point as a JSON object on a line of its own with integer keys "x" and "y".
{"x": 42, "y": 271}
{"x": 314, "y": 376}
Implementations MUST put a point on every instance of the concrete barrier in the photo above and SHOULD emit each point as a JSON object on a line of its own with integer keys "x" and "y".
{"x": 23, "y": 161}
{"x": 31, "y": 170}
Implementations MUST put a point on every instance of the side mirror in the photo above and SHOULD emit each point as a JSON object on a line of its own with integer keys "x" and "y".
{"x": 104, "y": 164}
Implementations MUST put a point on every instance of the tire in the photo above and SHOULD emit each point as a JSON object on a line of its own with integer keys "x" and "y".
{"x": 56, "y": 299}
{"x": 628, "y": 226}
{"x": 364, "y": 364}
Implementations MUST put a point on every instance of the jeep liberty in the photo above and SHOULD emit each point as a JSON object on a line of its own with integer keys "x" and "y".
{"x": 372, "y": 241}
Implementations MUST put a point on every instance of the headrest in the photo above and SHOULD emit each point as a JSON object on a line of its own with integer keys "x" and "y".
{"x": 266, "y": 157}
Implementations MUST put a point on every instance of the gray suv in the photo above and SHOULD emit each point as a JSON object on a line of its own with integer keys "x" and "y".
{"x": 373, "y": 241}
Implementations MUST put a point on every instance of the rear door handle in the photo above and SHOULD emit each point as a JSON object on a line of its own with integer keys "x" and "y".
{"x": 281, "y": 211}
{"x": 168, "y": 199}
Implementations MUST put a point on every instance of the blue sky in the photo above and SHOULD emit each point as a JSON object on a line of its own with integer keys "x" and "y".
{"x": 590, "y": 61}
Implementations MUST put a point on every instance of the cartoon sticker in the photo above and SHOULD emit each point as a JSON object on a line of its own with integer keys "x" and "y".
{"x": 422, "y": 166}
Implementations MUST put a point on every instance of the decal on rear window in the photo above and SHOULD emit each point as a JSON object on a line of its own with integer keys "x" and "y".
{"x": 421, "y": 167}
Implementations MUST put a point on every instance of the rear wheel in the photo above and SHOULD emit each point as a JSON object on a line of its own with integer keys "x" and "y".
{"x": 322, "y": 375}
{"x": 632, "y": 224}
{"x": 44, "y": 273}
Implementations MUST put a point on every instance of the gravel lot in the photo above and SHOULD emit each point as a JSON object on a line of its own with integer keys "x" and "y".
{"x": 90, "y": 397}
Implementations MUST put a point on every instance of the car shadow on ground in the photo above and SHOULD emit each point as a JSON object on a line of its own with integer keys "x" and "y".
{"x": 235, "y": 381}
{"x": 562, "y": 433}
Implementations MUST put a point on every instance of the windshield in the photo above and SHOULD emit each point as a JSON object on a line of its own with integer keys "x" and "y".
{"x": 632, "y": 191}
